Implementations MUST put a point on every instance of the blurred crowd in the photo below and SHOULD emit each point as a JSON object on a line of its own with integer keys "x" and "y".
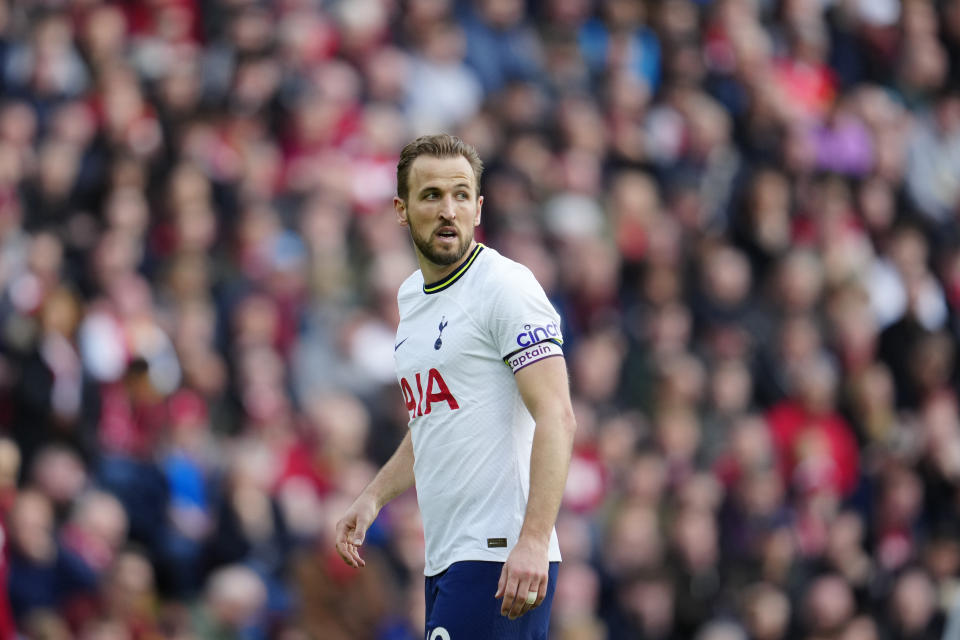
{"x": 747, "y": 213}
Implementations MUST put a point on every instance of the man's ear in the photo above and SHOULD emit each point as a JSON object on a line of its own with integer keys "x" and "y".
{"x": 476, "y": 221}
{"x": 400, "y": 207}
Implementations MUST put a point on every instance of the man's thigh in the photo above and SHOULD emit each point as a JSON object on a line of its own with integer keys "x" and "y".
{"x": 461, "y": 606}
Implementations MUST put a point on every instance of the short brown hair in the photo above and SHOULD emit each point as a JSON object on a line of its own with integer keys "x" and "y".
{"x": 441, "y": 145}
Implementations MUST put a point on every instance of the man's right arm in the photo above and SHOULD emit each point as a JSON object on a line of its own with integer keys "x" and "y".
{"x": 395, "y": 477}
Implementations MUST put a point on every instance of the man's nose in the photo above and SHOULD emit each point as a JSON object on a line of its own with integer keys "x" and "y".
{"x": 449, "y": 209}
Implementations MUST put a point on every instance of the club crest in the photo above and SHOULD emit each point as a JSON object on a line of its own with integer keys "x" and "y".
{"x": 442, "y": 326}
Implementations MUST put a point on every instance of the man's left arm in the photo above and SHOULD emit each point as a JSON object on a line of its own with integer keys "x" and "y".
{"x": 546, "y": 393}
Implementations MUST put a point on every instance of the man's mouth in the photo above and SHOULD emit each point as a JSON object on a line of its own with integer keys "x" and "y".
{"x": 447, "y": 233}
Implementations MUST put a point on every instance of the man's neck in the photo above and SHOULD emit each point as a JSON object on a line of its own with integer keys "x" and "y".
{"x": 433, "y": 272}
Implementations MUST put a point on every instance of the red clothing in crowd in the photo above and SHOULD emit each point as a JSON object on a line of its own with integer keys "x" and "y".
{"x": 8, "y": 630}
{"x": 814, "y": 451}
{"x": 128, "y": 428}
{"x": 810, "y": 87}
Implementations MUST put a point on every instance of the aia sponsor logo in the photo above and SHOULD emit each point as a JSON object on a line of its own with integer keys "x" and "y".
{"x": 431, "y": 390}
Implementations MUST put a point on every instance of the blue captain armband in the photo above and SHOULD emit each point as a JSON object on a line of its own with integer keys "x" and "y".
{"x": 534, "y": 353}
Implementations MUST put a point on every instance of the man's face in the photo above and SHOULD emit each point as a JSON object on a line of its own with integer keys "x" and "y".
{"x": 442, "y": 208}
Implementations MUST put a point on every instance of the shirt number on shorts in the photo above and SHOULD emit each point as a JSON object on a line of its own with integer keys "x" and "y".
{"x": 439, "y": 634}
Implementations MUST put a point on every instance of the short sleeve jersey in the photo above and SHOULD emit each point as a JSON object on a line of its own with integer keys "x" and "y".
{"x": 459, "y": 343}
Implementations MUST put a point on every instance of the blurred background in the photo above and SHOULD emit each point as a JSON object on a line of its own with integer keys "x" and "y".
{"x": 746, "y": 211}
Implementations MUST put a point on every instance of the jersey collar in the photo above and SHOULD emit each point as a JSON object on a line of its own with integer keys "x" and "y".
{"x": 440, "y": 285}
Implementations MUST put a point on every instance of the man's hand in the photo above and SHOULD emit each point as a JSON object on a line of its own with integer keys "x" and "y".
{"x": 526, "y": 570}
{"x": 352, "y": 528}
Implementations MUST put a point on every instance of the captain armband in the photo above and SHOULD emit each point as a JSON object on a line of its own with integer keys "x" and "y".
{"x": 534, "y": 353}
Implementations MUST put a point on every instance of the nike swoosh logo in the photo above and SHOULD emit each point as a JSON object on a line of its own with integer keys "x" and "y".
{"x": 397, "y": 346}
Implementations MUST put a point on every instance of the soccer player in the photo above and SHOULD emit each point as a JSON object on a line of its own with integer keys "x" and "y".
{"x": 479, "y": 361}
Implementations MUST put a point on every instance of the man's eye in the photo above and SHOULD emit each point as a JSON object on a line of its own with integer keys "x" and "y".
{"x": 431, "y": 196}
{"x": 462, "y": 195}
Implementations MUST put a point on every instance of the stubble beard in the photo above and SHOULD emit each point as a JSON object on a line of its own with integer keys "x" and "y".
{"x": 441, "y": 258}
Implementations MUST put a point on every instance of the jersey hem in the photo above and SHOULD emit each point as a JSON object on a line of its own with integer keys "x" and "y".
{"x": 472, "y": 558}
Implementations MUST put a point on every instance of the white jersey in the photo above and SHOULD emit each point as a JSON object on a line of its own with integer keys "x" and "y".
{"x": 459, "y": 343}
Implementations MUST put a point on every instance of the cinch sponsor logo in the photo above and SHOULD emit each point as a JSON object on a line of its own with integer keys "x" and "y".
{"x": 528, "y": 356}
{"x": 532, "y": 335}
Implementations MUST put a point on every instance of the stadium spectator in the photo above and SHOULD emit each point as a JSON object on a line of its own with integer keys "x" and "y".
{"x": 745, "y": 213}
